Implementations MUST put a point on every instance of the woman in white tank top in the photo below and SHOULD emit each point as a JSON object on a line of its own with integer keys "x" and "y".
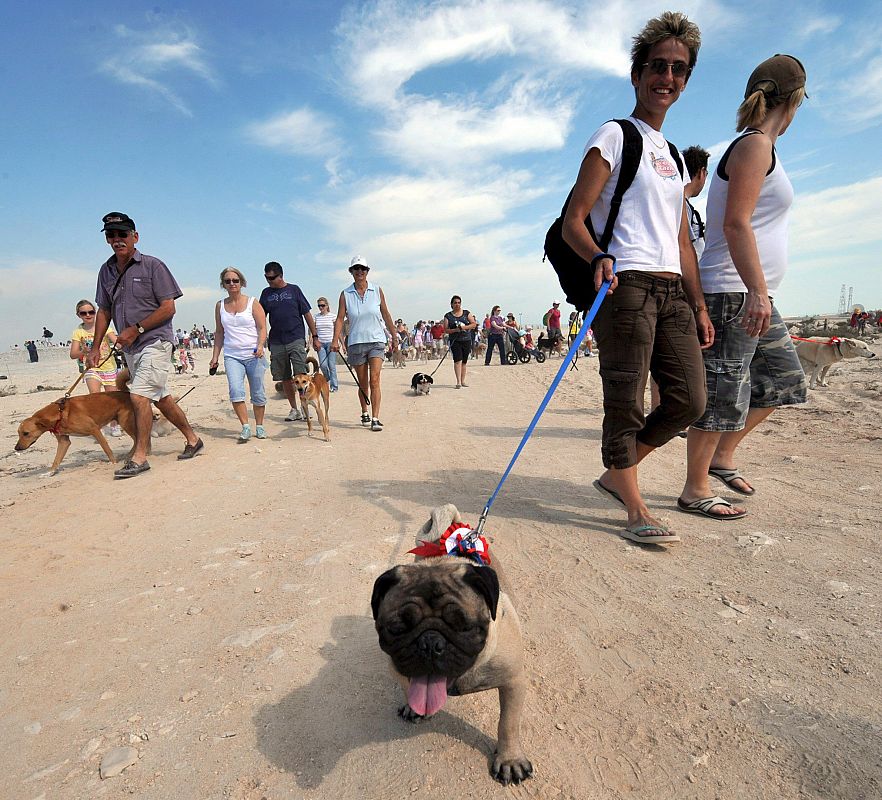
{"x": 752, "y": 367}
{"x": 240, "y": 331}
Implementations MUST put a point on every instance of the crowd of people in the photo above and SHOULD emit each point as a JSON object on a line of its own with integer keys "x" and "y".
{"x": 691, "y": 300}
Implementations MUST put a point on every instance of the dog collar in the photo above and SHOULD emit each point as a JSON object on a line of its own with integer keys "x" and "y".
{"x": 458, "y": 540}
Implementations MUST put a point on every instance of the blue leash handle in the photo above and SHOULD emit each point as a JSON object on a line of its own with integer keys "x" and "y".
{"x": 589, "y": 318}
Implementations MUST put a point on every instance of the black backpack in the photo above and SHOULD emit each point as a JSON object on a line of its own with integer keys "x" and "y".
{"x": 574, "y": 273}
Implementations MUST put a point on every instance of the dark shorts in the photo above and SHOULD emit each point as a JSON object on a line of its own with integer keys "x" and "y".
{"x": 646, "y": 326}
{"x": 461, "y": 349}
{"x": 288, "y": 360}
{"x": 745, "y": 372}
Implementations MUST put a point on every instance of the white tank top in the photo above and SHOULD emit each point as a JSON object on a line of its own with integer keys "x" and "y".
{"x": 240, "y": 331}
{"x": 769, "y": 223}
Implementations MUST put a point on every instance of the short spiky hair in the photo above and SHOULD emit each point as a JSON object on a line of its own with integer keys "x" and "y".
{"x": 695, "y": 158}
{"x": 670, "y": 25}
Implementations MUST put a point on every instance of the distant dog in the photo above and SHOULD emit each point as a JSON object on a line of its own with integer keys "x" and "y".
{"x": 818, "y": 353}
{"x": 552, "y": 345}
{"x": 83, "y": 415}
{"x": 313, "y": 390}
{"x": 421, "y": 383}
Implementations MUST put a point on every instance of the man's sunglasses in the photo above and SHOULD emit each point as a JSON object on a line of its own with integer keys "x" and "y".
{"x": 658, "y": 66}
{"x": 272, "y": 277}
{"x": 86, "y": 313}
{"x": 359, "y": 269}
{"x": 232, "y": 280}
{"x": 116, "y": 234}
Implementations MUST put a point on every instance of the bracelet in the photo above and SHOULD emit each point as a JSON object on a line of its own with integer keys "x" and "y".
{"x": 698, "y": 309}
{"x": 600, "y": 256}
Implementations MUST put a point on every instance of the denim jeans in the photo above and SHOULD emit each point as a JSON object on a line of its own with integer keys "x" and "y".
{"x": 237, "y": 369}
{"x": 328, "y": 364}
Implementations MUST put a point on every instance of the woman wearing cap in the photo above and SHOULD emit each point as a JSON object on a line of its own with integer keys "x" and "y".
{"x": 364, "y": 305}
{"x": 240, "y": 331}
{"x": 647, "y": 325}
{"x": 742, "y": 266}
{"x": 459, "y": 323}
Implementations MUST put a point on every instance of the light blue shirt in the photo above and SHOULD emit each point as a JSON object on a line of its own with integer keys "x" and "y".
{"x": 363, "y": 313}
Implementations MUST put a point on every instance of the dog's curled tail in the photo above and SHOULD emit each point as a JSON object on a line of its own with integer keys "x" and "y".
{"x": 315, "y": 367}
{"x": 123, "y": 377}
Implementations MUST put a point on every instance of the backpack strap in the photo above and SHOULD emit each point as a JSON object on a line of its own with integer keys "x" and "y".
{"x": 632, "y": 152}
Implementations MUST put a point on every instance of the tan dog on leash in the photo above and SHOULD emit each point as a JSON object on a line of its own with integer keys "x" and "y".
{"x": 83, "y": 415}
{"x": 313, "y": 391}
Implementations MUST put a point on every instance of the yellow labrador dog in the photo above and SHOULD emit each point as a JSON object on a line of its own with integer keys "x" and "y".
{"x": 818, "y": 353}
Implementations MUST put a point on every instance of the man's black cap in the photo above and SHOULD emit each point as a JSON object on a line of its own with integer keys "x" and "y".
{"x": 117, "y": 221}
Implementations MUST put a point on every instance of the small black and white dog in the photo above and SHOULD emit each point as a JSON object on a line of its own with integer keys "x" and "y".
{"x": 421, "y": 383}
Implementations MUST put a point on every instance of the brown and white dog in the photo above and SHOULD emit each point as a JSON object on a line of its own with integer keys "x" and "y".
{"x": 83, "y": 415}
{"x": 818, "y": 353}
{"x": 313, "y": 390}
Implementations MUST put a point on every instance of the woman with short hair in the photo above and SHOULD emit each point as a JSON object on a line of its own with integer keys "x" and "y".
{"x": 646, "y": 325}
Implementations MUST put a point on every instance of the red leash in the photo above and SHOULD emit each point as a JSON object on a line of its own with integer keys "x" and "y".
{"x": 833, "y": 340}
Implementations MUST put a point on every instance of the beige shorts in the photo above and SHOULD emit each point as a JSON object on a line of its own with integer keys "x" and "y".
{"x": 149, "y": 370}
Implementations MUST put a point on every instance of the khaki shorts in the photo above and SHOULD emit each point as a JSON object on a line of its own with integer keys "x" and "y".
{"x": 288, "y": 360}
{"x": 149, "y": 369}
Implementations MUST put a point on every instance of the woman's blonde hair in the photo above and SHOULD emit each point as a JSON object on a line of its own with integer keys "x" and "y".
{"x": 242, "y": 282}
{"x": 758, "y": 104}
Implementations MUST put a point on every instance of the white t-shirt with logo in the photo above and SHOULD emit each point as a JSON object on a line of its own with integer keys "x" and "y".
{"x": 645, "y": 236}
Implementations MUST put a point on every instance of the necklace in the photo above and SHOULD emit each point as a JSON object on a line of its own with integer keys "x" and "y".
{"x": 649, "y": 131}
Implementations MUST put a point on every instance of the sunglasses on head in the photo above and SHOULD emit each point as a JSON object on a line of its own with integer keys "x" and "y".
{"x": 658, "y": 66}
{"x": 117, "y": 234}
{"x": 273, "y": 277}
{"x": 232, "y": 280}
{"x": 85, "y": 313}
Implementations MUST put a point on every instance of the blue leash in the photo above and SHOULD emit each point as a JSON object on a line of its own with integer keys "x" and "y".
{"x": 589, "y": 318}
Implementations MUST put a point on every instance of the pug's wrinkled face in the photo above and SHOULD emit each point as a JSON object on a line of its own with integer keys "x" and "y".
{"x": 433, "y": 619}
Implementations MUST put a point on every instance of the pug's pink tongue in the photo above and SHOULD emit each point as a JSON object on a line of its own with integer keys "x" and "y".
{"x": 427, "y": 694}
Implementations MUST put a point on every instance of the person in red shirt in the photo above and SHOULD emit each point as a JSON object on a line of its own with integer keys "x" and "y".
{"x": 554, "y": 321}
{"x": 437, "y": 331}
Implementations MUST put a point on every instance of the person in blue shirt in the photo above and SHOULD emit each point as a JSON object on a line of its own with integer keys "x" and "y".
{"x": 286, "y": 309}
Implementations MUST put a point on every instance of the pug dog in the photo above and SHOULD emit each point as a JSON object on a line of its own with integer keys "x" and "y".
{"x": 449, "y": 630}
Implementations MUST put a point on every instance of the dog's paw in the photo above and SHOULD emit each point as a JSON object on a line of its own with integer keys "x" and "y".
{"x": 409, "y": 715}
{"x": 510, "y": 770}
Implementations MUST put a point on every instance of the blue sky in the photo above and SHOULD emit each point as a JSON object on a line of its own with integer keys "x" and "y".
{"x": 436, "y": 139}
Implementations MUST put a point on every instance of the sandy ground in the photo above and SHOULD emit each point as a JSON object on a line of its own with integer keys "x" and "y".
{"x": 214, "y": 614}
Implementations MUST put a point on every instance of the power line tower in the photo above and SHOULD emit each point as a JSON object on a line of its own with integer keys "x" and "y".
{"x": 850, "y": 298}
{"x": 842, "y": 307}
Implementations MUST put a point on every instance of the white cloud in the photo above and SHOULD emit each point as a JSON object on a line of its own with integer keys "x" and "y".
{"x": 847, "y": 215}
{"x": 424, "y": 203}
{"x": 169, "y": 53}
{"x": 544, "y": 52}
{"x": 431, "y": 131}
{"x": 299, "y": 132}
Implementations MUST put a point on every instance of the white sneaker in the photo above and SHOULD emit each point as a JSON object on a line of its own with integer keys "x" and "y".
{"x": 294, "y": 415}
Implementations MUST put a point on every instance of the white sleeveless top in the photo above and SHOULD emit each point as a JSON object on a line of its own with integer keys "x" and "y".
{"x": 240, "y": 331}
{"x": 769, "y": 222}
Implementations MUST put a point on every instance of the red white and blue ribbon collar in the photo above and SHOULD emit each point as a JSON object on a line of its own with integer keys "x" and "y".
{"x": 458, "y": 540}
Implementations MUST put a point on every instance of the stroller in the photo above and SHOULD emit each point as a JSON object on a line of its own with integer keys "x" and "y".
{"x": 517, "y": 351}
